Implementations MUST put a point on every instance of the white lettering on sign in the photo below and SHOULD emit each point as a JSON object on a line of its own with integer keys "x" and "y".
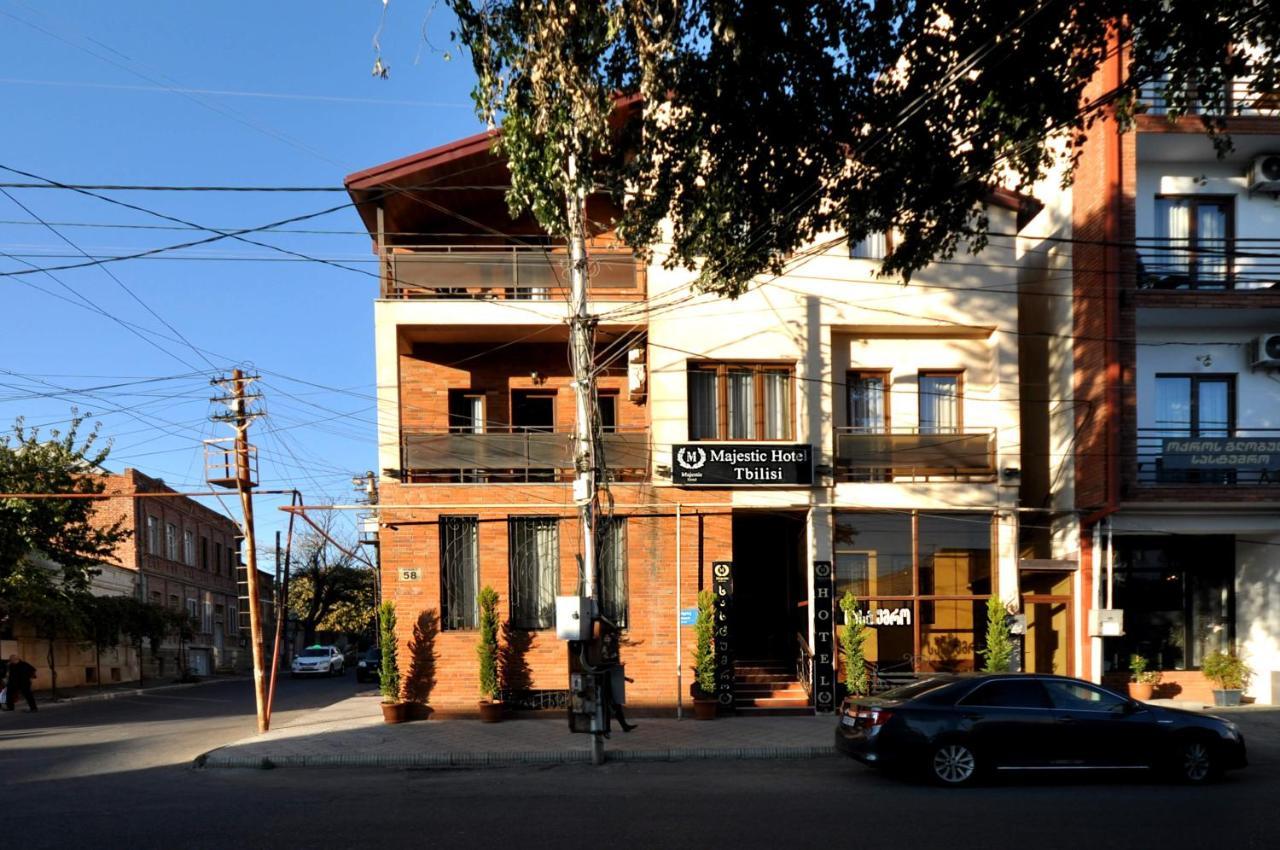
{"x": 884, "y": 617}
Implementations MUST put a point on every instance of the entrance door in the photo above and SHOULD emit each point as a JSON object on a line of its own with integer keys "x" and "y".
{"x": 770, "y": 591}
{"x": 1046, "y": 646}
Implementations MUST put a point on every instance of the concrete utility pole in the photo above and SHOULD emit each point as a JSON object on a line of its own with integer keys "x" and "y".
{"x": 242, "y": 479}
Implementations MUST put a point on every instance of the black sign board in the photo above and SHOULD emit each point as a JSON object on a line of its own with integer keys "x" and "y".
{"x": 722, "y": 586}
{"x": 1239, "y": 453}
{"x": 824, "y": 649}
{"x": 742, "y": 464}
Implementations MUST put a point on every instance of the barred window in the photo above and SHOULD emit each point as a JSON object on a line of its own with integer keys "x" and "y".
{"x": 612, "y": 546}
{"x": 459, "y": 571}
{"x": 534, "y": 558}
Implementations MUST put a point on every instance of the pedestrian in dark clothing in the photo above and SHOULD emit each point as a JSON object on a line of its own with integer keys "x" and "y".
{"x": 20, "y": 675}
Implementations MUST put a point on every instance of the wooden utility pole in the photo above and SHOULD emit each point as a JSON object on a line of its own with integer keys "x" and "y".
{"x": 240, "y": 474}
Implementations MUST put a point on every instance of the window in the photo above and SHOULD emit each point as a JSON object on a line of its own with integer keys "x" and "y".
{"x": 1195, "y": 405}
{"x": 189, "y": 548}
{"x": 233, "y": 619}
{"x": 955, "y": 554}
{"x": 1194, "y": 240}
{"x": 1009, "y": 693}
{"x": 217, "y": 558}
{"x": 1077, "y": 696}
{"x": 939, "y": 394}
{"x": 173, "y": 601}
{"x": 607, "y": 402}
{"x": 171, "y": 541}
{"x": 612, "y": 547}
{"x": 868, "y": 402}
{"x": 740, "y": 401}
{"x": 231, "y": 561}
{"x": 466, "y": 412}
{"x": 206, "y": 616}
{"x": 874, "y": 246}
{"x": 533, "y": 410}
{"x": 459, "y": 571}
{"x": 153, "y": 536}
{"x": 156, "y": 598}
{"x": 192, "y": 611}
{"x": 204, "y": 553}
{"x": 534, "y": 559}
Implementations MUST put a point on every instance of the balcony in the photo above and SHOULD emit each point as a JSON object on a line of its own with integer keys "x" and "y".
{"x": 1240, "y": 100}
{"x": 505, "y": 274}
{"x": 515, "y": 456}
{"x": 906, "y": 455}
{"x": 1208, "y": 264}
{"x": 1168, "y": 456}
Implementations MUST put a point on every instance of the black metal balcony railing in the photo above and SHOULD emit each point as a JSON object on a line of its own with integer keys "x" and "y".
{"x": 1240, "y": 99}
{"x": 1208, "y": 263}
{"x": 517, "y": 273}
{"x": 1248, "y": 457}
{"x": 515, "y": 455}
{"x": 903, "y": 455}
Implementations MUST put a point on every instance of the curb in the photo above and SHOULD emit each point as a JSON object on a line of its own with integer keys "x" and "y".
{"x": 137, "y": 692}
{"x": 475, "y": 760}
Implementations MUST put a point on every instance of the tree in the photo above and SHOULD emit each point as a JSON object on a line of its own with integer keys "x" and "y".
{"x": 183, "y": 628}
{"x": 487, "y": 647}
{"x": 144, "y": 621}
{"x": 104, "y": 618}
{"x": 853, "y": 634}
{"x": 38, "y": 533}
{"x": 704, "y": 648}
{"x": 40, "y": 597}
{"x": 328, "y": 589}
{"x": 753, "y": 128}
{"x": 389, "y": 669}
{"x": 998, "y": 655}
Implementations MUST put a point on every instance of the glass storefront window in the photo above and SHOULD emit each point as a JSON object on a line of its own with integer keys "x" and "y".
{"x": 873, "y": 554}
{"x": 955, "y": 554}
{"x": 890, "y": 644}
{"x": 1177, "y": 594}
{"x": 951, "y": 633}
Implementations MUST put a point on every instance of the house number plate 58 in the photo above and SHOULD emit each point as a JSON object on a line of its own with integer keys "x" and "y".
{"x": 410, "y": 574}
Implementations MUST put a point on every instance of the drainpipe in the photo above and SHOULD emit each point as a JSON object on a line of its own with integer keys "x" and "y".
{"x": 679, "y": 629}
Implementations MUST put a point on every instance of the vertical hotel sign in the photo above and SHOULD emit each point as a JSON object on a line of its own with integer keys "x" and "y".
{"x": 824, "y": 653}
{"x": 722, "y": 587}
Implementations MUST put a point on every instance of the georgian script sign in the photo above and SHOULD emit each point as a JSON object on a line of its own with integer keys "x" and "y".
{"x": 883, "y": 617}
{"x": 742, "y": 464}
{"x": 824, "y": 652}
{"x": 722, "y": 587}
{"x": 1241, "y": 453}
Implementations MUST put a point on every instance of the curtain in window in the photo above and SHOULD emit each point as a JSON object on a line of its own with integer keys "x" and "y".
{"x": 777, "y": 405}
{"x": 1173, "y": 231}
{"x": 535, "y": 572}
{"x": 742, "y": 408}
{"x": 704, "y": 412}
{"x": 866, "y": 404}
{"x": 1214, "y": 412}
{"x": 612, "y": 534}
{"x": 1211, "y": 245}
{"x": 459, "y": 569}
{"x": 873, "y": 247}
{"x": 939, "y": 404}
{"x": 1173, "y": 406}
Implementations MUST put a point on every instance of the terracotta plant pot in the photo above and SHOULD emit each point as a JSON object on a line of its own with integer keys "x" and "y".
{"x": 490, "y": 711}
{"x": 395, "y": 712}
{"x": 704, "y": 709}
{"x": 1141, "y": 691}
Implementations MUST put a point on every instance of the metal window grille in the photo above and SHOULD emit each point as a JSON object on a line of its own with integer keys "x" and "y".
{"x": 534, "y": 546}
{"x": 612, "y": 547}
{"x": 459, "y": 571}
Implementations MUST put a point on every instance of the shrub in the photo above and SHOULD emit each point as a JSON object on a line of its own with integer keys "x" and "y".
{"x": 1138, "y": 666}
{"x": 998, "y": 656}
{"x": 704, "y": 652}
{"x": 853, "y": 634}
{"x": 389, "y": 670}
{"x": 1229, "y": 672}
{"x": 487, "y": 648}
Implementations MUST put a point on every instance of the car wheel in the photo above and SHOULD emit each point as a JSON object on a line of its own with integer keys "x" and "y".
{"x": 1197, "y": 763}
{"x": 953, "y": 764}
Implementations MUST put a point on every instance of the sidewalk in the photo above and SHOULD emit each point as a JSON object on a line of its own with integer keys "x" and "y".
{"x": 351, "y": 733}
{"x": 92, "y": 693}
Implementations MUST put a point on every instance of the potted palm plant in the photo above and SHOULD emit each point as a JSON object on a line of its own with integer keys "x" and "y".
{"x": 394, "y": 709}
{"x": 487, "y": 650}
{"x": 704, "y": 658}
{"x": 1144, "y": 681}
{"x": 1229, "y": 673}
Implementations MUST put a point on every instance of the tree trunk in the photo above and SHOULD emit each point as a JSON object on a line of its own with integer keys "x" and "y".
{"x": 141, "y": 674}
{"x": 97, "y": 661}
{"x": 53, "y": 674}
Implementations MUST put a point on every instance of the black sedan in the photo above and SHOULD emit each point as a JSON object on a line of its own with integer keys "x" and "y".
{"x": 368, "y": 665}
{"x": 956, "y": 729}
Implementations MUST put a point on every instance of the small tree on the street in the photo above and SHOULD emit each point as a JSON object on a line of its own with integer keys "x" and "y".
{"x": 183, "y": 628}
{"x": 55, "y": 611}
{"x": 487, "y": 648}
{"x": 704, "y": 650}
{"x": 997, "y": 657}
{"x": 329, "y": 589}
{"x": 104, "y": 618}
{"x": 389, "y": 669}
{"x": 853, "y": 635}
{"x": 144, "y": 622}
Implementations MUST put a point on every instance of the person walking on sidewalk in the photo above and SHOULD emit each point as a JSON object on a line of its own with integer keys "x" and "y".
{"x": 20, "y": 675}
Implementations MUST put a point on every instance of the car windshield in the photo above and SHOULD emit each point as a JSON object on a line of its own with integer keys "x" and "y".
{"x": 314, "y": 652}
{"x": 915, "y": 689}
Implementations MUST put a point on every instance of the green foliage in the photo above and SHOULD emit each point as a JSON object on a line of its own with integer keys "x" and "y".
{"x": 1138, "y": 667}
{"x": 144, "y": 621}
{"x": 487, "y": 648}
{"x": 998, "y": 655}
{"x": 1226, "y": 670}
{"x": 37, "y": 535}
{"x": 328, "y": 589}
{"x": 389, "y": 669}
{"x": 704, "y": 647}
{"x": 853, "y": 634}
{"x": 756, "y": 128}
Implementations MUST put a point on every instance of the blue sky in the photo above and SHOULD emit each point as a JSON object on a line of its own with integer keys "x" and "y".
{"x": 232, "y": 93}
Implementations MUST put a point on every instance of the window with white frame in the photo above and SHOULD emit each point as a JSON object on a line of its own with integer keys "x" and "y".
{"x": 189, "y": 548}
{"x": 153, "y": 536}
{"x": 939, "y": 397}
{"x": 874, "y": 246}
{"x": 740, "y": 401}
{"x": 171, "y": 541}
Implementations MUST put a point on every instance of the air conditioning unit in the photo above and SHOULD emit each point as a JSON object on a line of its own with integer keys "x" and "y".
{"x": 1264, "y": 173}
{"x": 1264, "y": 351}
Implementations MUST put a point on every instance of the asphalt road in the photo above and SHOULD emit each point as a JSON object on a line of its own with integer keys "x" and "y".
{"x": 117, "y": 774}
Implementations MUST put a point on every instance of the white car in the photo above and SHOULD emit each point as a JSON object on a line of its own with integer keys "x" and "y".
{"x": 318, "y": 660}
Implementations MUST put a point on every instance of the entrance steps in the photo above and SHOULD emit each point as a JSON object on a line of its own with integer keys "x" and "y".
{"x": 768, "y": 687}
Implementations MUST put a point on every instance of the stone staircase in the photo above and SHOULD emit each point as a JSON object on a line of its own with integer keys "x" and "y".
{"x": 768, "y": 687}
